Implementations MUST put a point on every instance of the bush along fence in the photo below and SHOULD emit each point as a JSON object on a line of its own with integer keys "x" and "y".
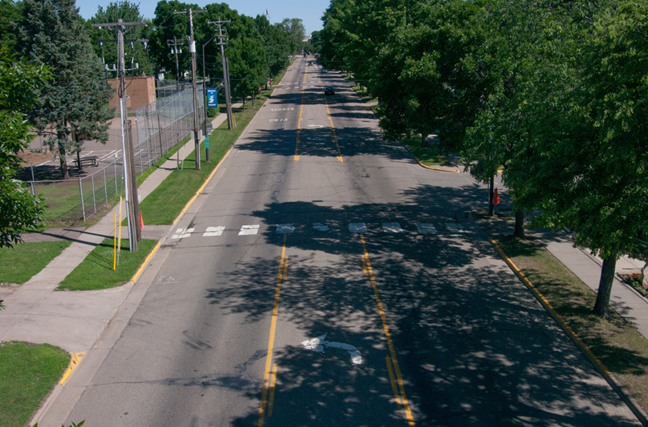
{"x": 156, "y": 129}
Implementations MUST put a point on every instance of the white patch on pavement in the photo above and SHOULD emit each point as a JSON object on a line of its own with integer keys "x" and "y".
{"x": 426, "y": 228}
{"x": 213, "y": 231}
{"x": 285, "y": 228}
{"x": 357, "y": 227}
{"x": 249, "y": 230}
{"x": 319, "y": 344}
{"x": 392, "y": 227}
{"x": 454, "y": 227}
{"x": 182, "y": 233}
{"x": 321, "y": 227}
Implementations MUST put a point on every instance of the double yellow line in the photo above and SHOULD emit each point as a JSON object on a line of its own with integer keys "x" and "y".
{"x": 395, "y": 375}
{"x": 270, "y": 375}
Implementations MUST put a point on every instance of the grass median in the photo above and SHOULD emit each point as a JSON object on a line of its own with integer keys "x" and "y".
{"x": 96, "y": 271}
{"x": 164, "y": 204}
{"x": 429, "y": 156}
{"x": 24, "y": 260}
{"x": 27, "y": 374}
{"x": 615, "y": 342}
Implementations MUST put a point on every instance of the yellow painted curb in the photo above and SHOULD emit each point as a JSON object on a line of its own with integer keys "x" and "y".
{"x": 436, "y": 169}
{"x": 143, "y": 266}
{"x": 74, "y": 363}
{"x": 636, "y": 409}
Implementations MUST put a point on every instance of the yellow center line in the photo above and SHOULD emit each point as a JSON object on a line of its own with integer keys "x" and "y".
{"x": 301, "y": 110}
{"x": 392, "y": 351}
{"x": 272, "y": 389}
{"x": 392, "y": 380}
{"x": 334, "y": 134}
{"x": 281, "y": 275}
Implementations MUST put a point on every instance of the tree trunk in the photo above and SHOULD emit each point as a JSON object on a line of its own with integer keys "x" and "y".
{"x": 519, "y": 223}
{"x": 605, "y": 286}
{"x": 424, "y": 142}
{"x": 79, "y": 161}
{"x": 253, "y": 99}
{"x": 64, "y": 168}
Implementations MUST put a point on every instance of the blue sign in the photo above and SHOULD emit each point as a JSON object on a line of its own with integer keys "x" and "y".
{"x": 206, "y": 142}
{"x": 211, "y": 98}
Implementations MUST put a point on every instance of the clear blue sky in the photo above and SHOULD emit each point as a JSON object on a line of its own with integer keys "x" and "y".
{"x": 309, "y": 11}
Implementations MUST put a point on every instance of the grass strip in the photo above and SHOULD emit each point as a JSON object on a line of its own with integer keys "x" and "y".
{"x": 164, "y": 204}
{"x": 615, "y": 342}
{"x": 429, "y": 156}
{"x": 27, "y": 374}
{"x": 24, "y": 260}
{"x": 96, "y": 271}
{"x": 155, "y": 166}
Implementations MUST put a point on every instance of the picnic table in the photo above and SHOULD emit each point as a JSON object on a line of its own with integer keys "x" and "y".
{"x": 88, "y": 161}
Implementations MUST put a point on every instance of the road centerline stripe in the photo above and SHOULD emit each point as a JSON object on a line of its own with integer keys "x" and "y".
{"x": 281, "y": 275}
{"x": 390, "y": 344}
{"x": 334, "y": 133}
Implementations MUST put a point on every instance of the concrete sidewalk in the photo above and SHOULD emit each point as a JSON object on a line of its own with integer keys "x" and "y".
{"x": 36, "y": 313}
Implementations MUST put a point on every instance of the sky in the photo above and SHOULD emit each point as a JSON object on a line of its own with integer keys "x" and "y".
{"x": 309, "y": 11}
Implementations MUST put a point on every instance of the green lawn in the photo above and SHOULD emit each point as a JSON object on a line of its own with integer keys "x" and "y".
{"x": 96, "y": 271}
{"x": 615, "y": 342}
{"x": 24, "y": 260}
{"x": 27, "y": 374}
{"x": 429, "y": 156}
{"x": 164, "y": 204}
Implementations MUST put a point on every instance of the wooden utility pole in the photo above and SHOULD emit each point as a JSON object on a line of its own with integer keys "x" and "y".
{"x": 174, "y": 43}
{"x": 222, "y": 42}
{"x": 192, "y": 49}
{"x": 130, "y": 186}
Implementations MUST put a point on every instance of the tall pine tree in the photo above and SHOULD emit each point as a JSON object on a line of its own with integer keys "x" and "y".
{"x": 72, "y": 107}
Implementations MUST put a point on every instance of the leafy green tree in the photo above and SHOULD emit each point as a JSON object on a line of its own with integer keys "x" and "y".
{"x": 135, "y": 53}
{"x": 10, "y": 15}
{"x": 75, "y": 101}
{"x": 19, "y": 81}
{"x": 248, "y": 66}
{"x": 296, "y": 33}
{"x": 275, "y": 43}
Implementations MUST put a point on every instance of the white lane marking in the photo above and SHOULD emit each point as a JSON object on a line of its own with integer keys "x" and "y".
{"x": 107, "y": 155}
{"x": 285, "y": 228}
{"x": 249, "y": 230}
{"x": 392, "y": 227}
{"x": 426, "y": 228}
{"x": 357, "y": 227}
{"x": 318, "y": 344}
{"x": 181, "y": 233}
{"x": 454, "y": 227}
{"x": 213, "y": 231}
{"x": 321, "y": 227}
{"x": 315, "y": 126}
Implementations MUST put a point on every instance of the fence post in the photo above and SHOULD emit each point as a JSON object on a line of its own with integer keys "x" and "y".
{"x": 32, "y": 188}
{"x": 94, "y": 201}
{"x": 82, "y": 205}
{"x": 105, "y": 185}
{"x": 115, "y": 175}
{"x": 160, "y": 134}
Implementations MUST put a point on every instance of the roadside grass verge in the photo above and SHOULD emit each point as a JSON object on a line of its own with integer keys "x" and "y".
{"x": 616, "y": 343}
{"x": 364, "y": 93}
{"x": 163, "y": 205}
{"x": 155, "y": 166}
{"x": 96, "y": 271}
{"x": 429, "y": 156}
{"x": 24, "y": 260}
{"x": 27, "y": 374}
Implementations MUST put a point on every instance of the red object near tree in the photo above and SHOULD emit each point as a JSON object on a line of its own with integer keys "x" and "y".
{"x": 496, "y": 198}
{"x": 142, "y": 220}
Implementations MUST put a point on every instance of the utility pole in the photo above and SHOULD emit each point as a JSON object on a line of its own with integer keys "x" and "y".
{"x": 130, "y": 185}
{"x": 174, "y": 43}
{"x": 222, "y": 43}
{"x": 205, "y": 102}
{"x": 192, "y": 49}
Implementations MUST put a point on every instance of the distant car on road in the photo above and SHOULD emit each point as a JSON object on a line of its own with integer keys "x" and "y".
{"x": 329, "y": 91}
{"x": 324, "y": 70}
{"x": 310, "y": 62}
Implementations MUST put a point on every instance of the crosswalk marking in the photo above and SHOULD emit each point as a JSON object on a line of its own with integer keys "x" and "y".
{"x": 426, "y": 228}
{"x": 454, "y": 227}
{"x": 392, "y": 227}
{"x": 249, "y": 230}
{"x": 357, "y": 227}
{"x": 213, "y": 231}
{"x": 285, "y": 228}
{"x": 182, "y": 233}
{"x": 321, "y": 227}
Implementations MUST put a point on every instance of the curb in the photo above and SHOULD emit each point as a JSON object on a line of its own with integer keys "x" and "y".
{"x": 429, "y": 167}
{"x": 611, "y": 379}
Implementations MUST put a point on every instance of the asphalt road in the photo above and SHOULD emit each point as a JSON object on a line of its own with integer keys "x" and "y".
{"x": 325, "y": 279}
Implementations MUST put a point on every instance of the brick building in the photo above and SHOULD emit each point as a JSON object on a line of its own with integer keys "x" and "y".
{"x": 139, "y": 91}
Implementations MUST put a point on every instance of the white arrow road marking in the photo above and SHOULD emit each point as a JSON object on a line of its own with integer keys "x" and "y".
{"x": 318, "y": 344}
{"x": 315, "y": 126}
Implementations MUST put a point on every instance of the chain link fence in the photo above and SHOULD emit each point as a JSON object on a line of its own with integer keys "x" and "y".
{"x": 156, "y": 129}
